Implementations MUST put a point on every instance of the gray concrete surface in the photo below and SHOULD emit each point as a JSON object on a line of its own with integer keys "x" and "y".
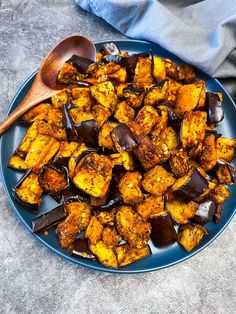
{"x": 34, "y": 280}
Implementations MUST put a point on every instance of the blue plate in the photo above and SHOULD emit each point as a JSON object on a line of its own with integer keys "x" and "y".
{"x": 160, "y": 258}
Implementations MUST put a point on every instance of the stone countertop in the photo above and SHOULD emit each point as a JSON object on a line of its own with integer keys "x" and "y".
{"x": 34, "y": 280}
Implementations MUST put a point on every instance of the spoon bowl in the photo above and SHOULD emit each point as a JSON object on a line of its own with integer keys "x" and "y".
{"x": 45, "y": 84}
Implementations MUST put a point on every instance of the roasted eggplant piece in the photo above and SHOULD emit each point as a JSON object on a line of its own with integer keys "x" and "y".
{"x": 124, "y": 113}
{"x": 53, "y": 180}
{"x": 143, "y": 73}
{"x": 127, "y": 255}
{"x": 109, "y": 49}
{"x": 190, "y": 186}
{"x": 130, "y": 62}
{"x": 179, "y": 163}
{"x": 105, "y": 254}
{"x": 151, "y": 206}
{"x": 87, "y": 132}
{"x": 105, "y": 135}
{"x": 187, "y": 98}
{"x": 158, "y": 69}
{"x": 93, "y": 175}
{"x": 104, "y": 93}
{"x": 28, "y": 192}
{"x": 226, "y": 149}
{"x": 205, "y": 212}
{"x": 81, "y": 249}
{"x": 147, "y": 117}
{"x": 113, "y": 199}
{"x": 110, "y": 236}
{"x": 123, "y": 138}
{"x": 106, "y": 217}
{"x": 134, "y": 95}
{"x": 174, "y": 70}
{"x": 16, "y": 162}
{"x": 190, "y": 235}
{"x": 156, "y": 93}
{"x": 181, "y": 212}
{"x": 131, "y": 227}
{"x": 163, "y": 232}
{"x": 225, "y": 173}
{"x": 208, "y": 155}
{"x": 80, "y": 63}
{"x": 78, "y": 218}
{"x": 157, "y": 180}
{"x": 130, "y": 187}
{"x": 193, "y": 128}
{"x": 94, "y": 231}
{"x": 214, "y": 108}
{"x": 49, "y": 219}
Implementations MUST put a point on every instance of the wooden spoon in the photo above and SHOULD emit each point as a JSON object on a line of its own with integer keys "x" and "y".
{"x": 45, "y": 83}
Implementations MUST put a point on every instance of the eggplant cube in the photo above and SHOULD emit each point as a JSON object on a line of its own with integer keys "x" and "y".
{"x": 130, "y": 187}
{"x": 105, "y": 94}
{"x": 226, "y": 148}
{"x": 28, "y": 192}
{"x": 123, "y": 138}
{"x": 157, "y": 180}
{"x": 127, "y": 255}
{"x": 190, "y": 235}
{"x": 93, "y": 175}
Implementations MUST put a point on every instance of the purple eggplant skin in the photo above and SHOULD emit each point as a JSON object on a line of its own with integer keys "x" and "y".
{"x": 80, "y": 63}
{"x": 49, "y": 219}
{"x": 32, "y": 207}
{"x": 134, "y": 90}
{"x": 192, "y": 188}
{"x": 68, "y": 123}
{"x": 231, "y": 169}
{"x": 124, "y": 137}
{"x": 87, "y": 132}
{"x": 81, "y": 249}
{"x": 163, "y": 232}
{"x": 74, "y": 195}
{"x": 214, "y": 108}
{"x": 60, "y": 162}
{"x": 109, "y": 49}
{"x": 205, "y": 212}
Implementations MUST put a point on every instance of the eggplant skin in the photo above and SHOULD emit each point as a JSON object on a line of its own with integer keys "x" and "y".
{"x": 80, "y": 63}
{"x": 87, "y": 132}
{"x": 81, "y": 249}
{"x": 123, "y": 138}
{"x": 27, "y": 191}
{"x": 49, "y": 219}
{"x": 190, "y": 186}
{"x": 109, "y": 49}
{"x": 163, "y": 232}
{"x": 205, "y": 212}
{"x": 214, "y": 108}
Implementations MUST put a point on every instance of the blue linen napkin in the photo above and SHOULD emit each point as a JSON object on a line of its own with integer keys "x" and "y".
{"x": 202, "y": 33}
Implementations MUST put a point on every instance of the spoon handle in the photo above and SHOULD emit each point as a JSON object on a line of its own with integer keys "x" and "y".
{"x": 27, "y": 103}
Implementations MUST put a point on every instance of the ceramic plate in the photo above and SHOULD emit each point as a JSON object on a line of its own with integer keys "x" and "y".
{"x": 160, "y": 258}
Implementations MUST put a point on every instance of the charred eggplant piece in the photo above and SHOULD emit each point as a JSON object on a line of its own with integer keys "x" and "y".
{"x": 109, "y": 49}
{"x": 163, "y": 232}
{"x": 80, "y": 63}
{"x": 190, "y": 186}
{"x": 81, "y": 249}
{"x": 87, "y": 132}
{"x": 114, "y": 198}
{"x": 49, "y": 219}
{"x": 123, "y": 138}
{"x": 27, "y": 191}
{"x": 205, "y": 212}
{"x": 173, "y": 119}
{"x": 54, "y": 180}
{"x": 213, "y": 106}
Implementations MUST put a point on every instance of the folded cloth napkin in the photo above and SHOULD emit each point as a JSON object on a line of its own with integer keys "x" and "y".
{"x": 202, "y": 34}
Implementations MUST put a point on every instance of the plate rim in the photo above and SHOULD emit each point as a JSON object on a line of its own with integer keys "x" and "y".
{"x": 80, "y": 262}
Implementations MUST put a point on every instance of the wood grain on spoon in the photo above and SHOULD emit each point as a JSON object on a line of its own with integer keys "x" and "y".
{"x": 45, "y": 83}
